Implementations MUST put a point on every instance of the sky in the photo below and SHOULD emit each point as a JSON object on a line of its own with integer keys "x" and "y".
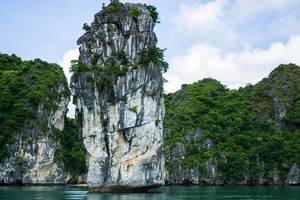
{"x": 234, "y": 41}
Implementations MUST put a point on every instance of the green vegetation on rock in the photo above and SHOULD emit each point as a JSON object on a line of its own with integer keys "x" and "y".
{"x": 253, "y": 132}
{"x": 26, "y": 86}
{"x": 72, "y": 151}
{"x": 154, "y": 54}
{"x": 77, "y": 67}
{"x": 153, "y": 12}
{"x": 115, "y": 6}
{"x": 115, "y": 65}
{"x": 133, "y": 109}
{"x": 134, "y": 12}
{"x": 293, "y": 115}
{"x": 86, "y": 27}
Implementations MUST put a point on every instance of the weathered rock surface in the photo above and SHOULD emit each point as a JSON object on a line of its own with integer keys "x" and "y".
{"x": 122, "y": 125}
{"x": 32, "y": 156}
{"x": 180, "y": 175}
{"x": 293, "y": 177}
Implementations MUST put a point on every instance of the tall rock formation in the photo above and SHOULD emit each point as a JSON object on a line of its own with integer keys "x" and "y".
{"x": 33, "y": 103}
{"x": 118, "y": 90}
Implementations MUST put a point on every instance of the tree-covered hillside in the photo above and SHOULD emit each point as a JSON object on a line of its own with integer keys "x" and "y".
{"x": 31, "y": 94}
{"x": 24, "y": 86}
{"x": 214, "y": 135}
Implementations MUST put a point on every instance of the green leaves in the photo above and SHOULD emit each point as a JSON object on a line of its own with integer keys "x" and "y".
{"x": 115, "y": 6}
{"x": 153, "y": 54}
{"x": 240, "y": 124}
{"x": 86, "y": 27}
{"x": 133, "y": 109}
{"x": 72, "y": 152}
{"x": 24, "y": 85}
{"x": 77, "y": 66}
{"x": 117, "y": 64}
{"x": 153, "y": 12}
{"x": 134, "y": 12}
{"x": 293, "y": 116}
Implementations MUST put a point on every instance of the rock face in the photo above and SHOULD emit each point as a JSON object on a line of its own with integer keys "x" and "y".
{"x": 122, "y": 119}
{"x": 32, "y": 157}
{"x": 180, "y": 175}
{"x": 293, "y": 177}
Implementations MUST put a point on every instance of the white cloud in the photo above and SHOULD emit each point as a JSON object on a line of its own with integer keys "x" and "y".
{"x": 234, "y": 23}
{"x": 233, "y": 69}
{"x": 205, "y": 21}
{"x": 196, "y": 15}
{"x": 208, "y": 16}
{"x": 71, "y": 54}
{"x": 234, "y": 41}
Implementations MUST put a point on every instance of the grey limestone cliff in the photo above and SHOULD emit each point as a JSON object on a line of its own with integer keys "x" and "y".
{"x": 120, "y": 103}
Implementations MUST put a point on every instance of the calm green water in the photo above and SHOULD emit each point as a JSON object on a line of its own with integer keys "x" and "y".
{"x": 167, "y": 193}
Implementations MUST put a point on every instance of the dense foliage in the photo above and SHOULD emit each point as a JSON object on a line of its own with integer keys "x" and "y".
{"x": 24, "y": 86}
{"x": 86, "y": 27}
{"x": 134, "y": 12}
{"x": 153, "y": 12}
{"x": 72, "y": 151}
{"x": 251, "y": 132}
{"x": 115, "y": 6}
{"x": 154, "y": 54}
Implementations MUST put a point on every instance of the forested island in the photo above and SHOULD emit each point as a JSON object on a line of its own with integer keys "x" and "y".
{"x": 216, "y": 135}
